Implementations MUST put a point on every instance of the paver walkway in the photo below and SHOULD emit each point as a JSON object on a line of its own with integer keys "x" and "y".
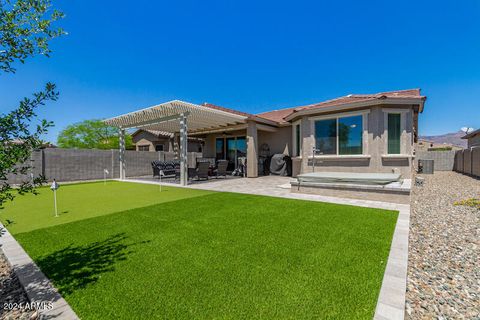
{"x": 274, "y": 186}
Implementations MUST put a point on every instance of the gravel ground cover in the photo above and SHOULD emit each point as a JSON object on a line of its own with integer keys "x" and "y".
{"x": 12, "y": 292}
{"x": 444, "y": 249}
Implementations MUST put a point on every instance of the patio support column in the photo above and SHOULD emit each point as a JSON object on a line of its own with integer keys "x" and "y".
{"x": 176, "y": 145}
{"x": 121, "y": 134}
{"x": 252, "y": 149}
{"x": 307, "y": 144}
{"x": 183, "y": 150}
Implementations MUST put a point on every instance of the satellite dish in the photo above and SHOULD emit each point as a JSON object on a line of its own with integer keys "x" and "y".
{"x": 467, "y": 129}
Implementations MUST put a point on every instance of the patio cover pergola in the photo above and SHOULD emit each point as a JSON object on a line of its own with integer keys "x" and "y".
{"x": 173, "y": 117}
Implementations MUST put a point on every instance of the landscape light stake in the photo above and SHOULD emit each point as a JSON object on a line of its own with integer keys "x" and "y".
{"x": 105, "y": 172}
{"x": 54, "y": 188}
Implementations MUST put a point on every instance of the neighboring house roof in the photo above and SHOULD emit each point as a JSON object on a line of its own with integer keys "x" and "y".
{"x": 156, "y": 133}
{"x": 282, "y": 116}
{"x": 471, "y": 134}
{"x": 44, "y": 144}
{"x": 257, "y": 117}
{"x": 163, "y": 134}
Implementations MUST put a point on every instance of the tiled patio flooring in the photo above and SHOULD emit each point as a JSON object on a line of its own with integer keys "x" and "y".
{"x": 274, "y": 186}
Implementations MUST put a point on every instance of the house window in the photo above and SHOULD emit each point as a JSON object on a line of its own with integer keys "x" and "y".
{"x": 339, "y": 136}
{"x": 144, "y": 148}
{"x": 297, "y": 136}
{"x": 159, "y": 147}
{"x": 326, "y": 136}
{"x": 394, "y": 133}
{"x": 350, "y": 135}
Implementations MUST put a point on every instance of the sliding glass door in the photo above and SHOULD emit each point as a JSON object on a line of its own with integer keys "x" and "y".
{"x": 231, "y": 153}
{"x": 230, "y": 149}
{"x": 220, "y": 148}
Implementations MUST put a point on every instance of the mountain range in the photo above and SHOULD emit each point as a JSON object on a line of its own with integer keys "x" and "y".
{"x": 454, "y": 138}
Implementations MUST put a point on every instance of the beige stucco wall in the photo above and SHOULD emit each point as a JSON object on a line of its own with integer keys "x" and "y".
{"x": 278, "y": 142}
{"x": 209, "y": 147}
{"x": 147, "y": 139}
{"x": 376, "y": 146}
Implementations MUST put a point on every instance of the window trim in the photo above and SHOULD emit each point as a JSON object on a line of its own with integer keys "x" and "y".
{"x": 143, "y": 146}
{"x": 403, "y": 128}
{"x": 294, "y": 136}
{"x": 363, "y": 113}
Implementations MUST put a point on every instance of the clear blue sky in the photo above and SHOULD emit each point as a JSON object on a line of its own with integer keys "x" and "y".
{"x": 257, "y": 56}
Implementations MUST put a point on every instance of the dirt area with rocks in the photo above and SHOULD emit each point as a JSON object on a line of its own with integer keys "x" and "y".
{"x": 12, "y": 292}
{"x": 444, "y": 249}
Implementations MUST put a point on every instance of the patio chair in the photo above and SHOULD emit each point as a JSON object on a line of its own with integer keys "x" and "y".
{"x": 201, "y": 172}
{"x": 221, "y": 169}
{"x": 156, "y": 168}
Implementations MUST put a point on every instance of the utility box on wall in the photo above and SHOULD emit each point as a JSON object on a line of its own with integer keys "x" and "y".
{"x": 426, "y": 166}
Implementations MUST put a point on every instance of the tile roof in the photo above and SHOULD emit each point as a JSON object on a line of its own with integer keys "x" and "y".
{"x": 410, "y": 93}
{"x": 280, "y": 115}
{"x": 276, "y": 115}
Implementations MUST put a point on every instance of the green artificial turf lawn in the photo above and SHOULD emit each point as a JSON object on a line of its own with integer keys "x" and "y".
{"x": 219, "y": 256}
{"x": 84, "y": 200}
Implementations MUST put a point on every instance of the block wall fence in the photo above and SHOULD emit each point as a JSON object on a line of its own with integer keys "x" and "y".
{"x": 468, "y": 161}
{"x": 89, "y": 164}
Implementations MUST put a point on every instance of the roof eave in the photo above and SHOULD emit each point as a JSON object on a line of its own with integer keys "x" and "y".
{"x": 352, "y": 105}
{"x": 263, "y": 120}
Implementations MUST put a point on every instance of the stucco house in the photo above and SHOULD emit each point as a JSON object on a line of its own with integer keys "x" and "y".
{"x": 366, "y": 133}
{"x": 473, "y": 138}
{"x": 155, "y": 140}
{"x": 354, "y": 133}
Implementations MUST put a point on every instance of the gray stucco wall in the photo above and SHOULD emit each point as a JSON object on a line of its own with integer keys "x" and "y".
{"x": 209, "y": 147}
{"x": 279, "y": 141}
{"x": 36, "y": 163}
{"x": 375, "y": 148}
{"x": 474, "y": 141}
{"x": 476, "y": 161}
{"x": 458, "y": 161}
{"x": 468, "y": 161}
{"x": 443, "y": 160}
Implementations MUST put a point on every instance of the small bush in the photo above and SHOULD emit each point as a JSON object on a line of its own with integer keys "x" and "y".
{"x": 473, "y": 203}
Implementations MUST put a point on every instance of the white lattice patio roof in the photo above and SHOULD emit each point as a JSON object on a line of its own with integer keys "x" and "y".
{"x": 165, "y": 117}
